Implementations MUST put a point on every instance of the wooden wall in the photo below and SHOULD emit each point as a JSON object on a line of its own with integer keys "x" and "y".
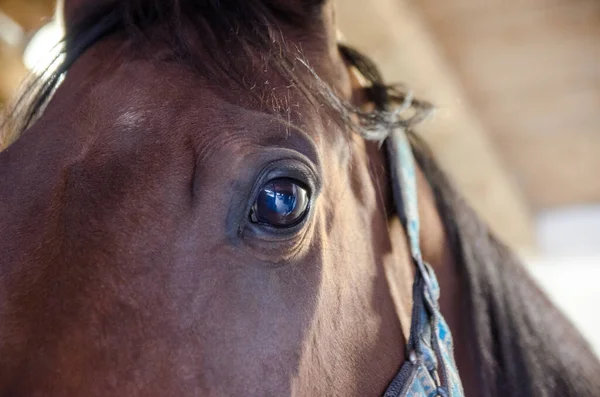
{"x": 531, "y": 71}
{"x": 396, "y": 36}
{"x": 28, "y": 16}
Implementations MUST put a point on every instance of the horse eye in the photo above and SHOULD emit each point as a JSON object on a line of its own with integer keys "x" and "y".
{"x": 280, "y": 203}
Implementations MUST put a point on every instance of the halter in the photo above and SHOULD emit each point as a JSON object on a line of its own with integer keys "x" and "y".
{"x": 431, "y": 370}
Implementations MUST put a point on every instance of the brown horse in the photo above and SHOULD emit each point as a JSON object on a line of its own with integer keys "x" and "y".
{"x": 139, "y": 255}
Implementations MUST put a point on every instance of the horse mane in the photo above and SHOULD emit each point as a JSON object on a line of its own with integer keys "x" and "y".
{"x": 524, "y": 346}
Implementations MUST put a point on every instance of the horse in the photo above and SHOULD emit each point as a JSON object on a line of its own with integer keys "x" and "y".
{"x": 141, "y": 253}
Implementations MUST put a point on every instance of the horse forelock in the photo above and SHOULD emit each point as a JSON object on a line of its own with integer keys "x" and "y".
{"x": 232, "y": 34}
{"x": 242, "y": 44}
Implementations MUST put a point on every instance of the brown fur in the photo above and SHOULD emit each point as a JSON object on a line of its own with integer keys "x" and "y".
{"x": 128, "y": 267}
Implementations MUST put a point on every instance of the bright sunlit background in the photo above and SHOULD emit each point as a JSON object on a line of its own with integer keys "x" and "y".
{"x": 43, "y": 47}
{"x": 517, "y": 84}
{"x": 568, "y": 264}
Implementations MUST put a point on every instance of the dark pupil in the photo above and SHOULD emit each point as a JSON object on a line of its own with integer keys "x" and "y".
{"x": 280, "y": 203}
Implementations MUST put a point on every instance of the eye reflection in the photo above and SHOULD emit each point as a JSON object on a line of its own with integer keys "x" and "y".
{"x": 280, "y": 203}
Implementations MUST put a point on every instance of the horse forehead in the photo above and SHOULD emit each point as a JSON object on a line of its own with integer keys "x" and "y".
{"x": 137, "y": 89}
{"x": 139, "y": 101}
{"x": 169, "y": 95}
{"x": 130, "y": 91}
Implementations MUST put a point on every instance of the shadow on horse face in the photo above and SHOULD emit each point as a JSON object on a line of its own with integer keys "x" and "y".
{"x": 138, "y": 268}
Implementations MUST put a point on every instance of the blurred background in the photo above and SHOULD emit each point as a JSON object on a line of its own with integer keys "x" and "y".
{"x": 517, "y": 86}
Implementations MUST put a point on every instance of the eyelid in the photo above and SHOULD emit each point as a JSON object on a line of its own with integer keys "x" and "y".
{"x": 276, "y": 162}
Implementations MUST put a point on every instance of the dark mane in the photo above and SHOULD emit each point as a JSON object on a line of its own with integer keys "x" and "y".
{"x": 233, "y": 33}
{"x": 523, "y": 345}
